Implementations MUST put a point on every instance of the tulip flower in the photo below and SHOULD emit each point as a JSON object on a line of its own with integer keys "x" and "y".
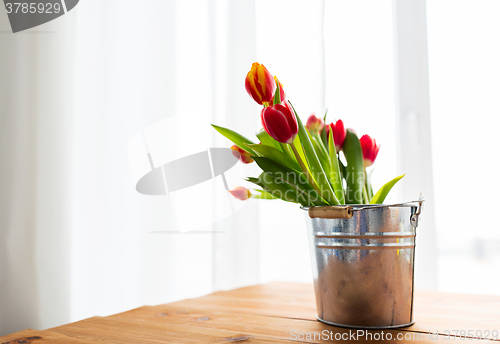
{"x": 300, "y": 163}
{"x": 282, "y": 91}
{"x": 370, "y": 149}
{"x": 314, "y": 123}
{"x": 260, "y": 84}
{"x": 242, "y": 155}
{"x": 241, "y": 193}
{"x": 339, "y": 133}
{"x": 279, "y": 122}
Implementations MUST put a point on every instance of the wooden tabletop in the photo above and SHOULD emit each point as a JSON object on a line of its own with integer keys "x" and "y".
{"x": 270, "y": 313}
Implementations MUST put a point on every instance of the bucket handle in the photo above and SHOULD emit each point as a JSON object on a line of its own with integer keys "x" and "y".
{"x": 346, "y": 212}
{"x": 331, "y": 212}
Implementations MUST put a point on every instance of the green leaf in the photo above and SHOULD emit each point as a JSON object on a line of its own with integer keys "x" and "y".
{"x": 279, "y": 190}
{"x": 323, "y": 131}
{"x": 335, "y": 176}
{"x": 277, "y": 95}
{"x": 263, "y": 194}
{"x": 315, "y": 166}
{"x": 238, "y": 139}
{"x": 276, "y": 155}
{"x": 355, "y": 172}
{"x": 253, "y": 180}
{"x": 384, "y": 190}
{"x": 266, "y": 139}
{"x": 324, "y": 137}
{"x": 321, "y": 152}
{"x": 283, "y": 174}
{"x": 298, "y": 147}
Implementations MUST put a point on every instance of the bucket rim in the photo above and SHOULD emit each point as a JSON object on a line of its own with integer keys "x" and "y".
{"x": 358, "y": 207}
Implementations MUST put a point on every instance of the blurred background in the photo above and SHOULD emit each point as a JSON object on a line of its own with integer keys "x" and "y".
{"x": 76, "y": 238}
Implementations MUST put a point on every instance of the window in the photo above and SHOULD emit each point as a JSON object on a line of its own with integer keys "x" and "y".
{"x": 464, "y": 76}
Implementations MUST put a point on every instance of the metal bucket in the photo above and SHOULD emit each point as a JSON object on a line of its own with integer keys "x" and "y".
{"x": 363, "y": 263}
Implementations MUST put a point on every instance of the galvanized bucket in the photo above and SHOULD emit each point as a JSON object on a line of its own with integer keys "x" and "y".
{"x": 363, "y": 263}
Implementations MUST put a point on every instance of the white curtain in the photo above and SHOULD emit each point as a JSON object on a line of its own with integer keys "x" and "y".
{"x": 75, "y": 235}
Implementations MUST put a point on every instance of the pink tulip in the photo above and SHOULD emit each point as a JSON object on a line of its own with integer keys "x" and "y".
{"x": 370, "y": 149}
{"x": 314, "y": 123}
{"x": 241, "y": 193}
{"x": 279, "y": 122}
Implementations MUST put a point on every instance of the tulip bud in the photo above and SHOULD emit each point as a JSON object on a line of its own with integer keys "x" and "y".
{"x": 279, "y": 122}
{"x": 370, "y": 149}
{"x": 282, "y": 91}
{"x": 260, "y": 84}
{"x": 242, "y": 155}
{"x": 314, "y": 123}
{"x": 339, "y": 133}
{"x": 241, "y": 193}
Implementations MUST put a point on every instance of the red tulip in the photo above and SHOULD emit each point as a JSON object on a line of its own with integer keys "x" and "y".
{"x": 260, "y": 84}
{"x": 279, "y": 122}
{"x": 314, "y": 123}
{"x": 339, "y": 133}
{"x": 370, "y": 149}
{"x": 239, "y": 153}
{"x": 282, "y": 91}
{"x": 241, "y": 193}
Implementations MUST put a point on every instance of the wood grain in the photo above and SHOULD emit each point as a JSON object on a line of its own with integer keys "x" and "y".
{"x": 42, "y": 337}
{"x": 254, "y": 325}
{"x": 433, "y": 311}
{"x": 268, "y": 313}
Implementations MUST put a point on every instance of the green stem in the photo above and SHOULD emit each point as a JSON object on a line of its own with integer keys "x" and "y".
{"x": 355, "y": 169}
{"x": 320, "y": 142}
{"x": 368, "y": 186}
{"x": 286, "y": 149}
{"x": 304, "y": 169}
{"x": 365, "y": 196}
{"x": 335, "y": 175}
{"x": 313, "y": 162}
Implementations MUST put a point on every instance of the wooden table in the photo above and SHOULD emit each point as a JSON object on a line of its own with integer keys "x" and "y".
{"x": 268, "y": 313}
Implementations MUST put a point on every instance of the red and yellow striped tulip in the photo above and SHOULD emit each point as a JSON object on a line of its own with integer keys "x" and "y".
{"x": 242, "y": 155}
{"x": 260, "y": 84}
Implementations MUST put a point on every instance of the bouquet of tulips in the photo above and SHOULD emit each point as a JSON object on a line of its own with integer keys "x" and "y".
{"x": 301, "y": 164}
